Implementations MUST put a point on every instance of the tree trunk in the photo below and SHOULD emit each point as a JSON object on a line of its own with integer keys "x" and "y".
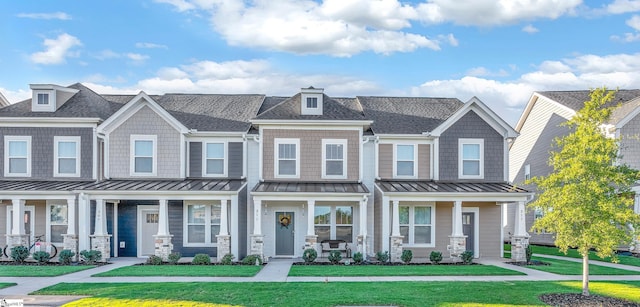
{"x": 585, "y": 275}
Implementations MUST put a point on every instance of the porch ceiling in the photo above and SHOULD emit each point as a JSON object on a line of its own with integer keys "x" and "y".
{"x": 310, "y": 187}
{"x": 428, "y": 186}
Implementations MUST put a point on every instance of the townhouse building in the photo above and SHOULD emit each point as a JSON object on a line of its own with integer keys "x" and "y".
{"x": 140, "y": 175}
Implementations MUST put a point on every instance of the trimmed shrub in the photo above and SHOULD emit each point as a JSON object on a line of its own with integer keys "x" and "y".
{"x": 528, "y": 252}
{"x": 201, "y": 259}
{"x": 66, "y": 256}
{"x": 174, "y": 258}
{"x": 227, "y": 259}
{"x": 335, "y": 257}
{"x": 41, "y": 257}
{"x": 358, "y": 258}
{"x": 252, "y": 260}
{"x": 435, "y": 257}
{"x": 382, "y": 256}
{"x": 467, "y": 257}
{"x": 19, "y": 253}
{"x": 154, "y": 260}
{"x": 309, "y": 255}
{"x": 406, "y": 256}
{"x": 90, "y": 256}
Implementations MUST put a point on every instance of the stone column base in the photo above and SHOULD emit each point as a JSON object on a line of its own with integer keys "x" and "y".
{"x": 102, "y": 243}
{"x": 457, "y": 246}
{"x": 224, "y": 246}
{"x": 15, "y": 240}
{"x": 310, "y": 241}
{"x": 396, "y": 248}
{"x": 257, "y": 246}
{"x": 518, "y": 248}
{"x": 70, "y": 242}
{"x": 163, "y": 246}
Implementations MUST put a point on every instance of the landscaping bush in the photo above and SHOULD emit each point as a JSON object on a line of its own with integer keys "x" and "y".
{"x": 309, "y": 255}
{"x": 435, "y": 257}
{"x": 252, "y": 260}
{"x": 19, "y": 253}
{"x": 66, "y": 256}
{"x": 467, "y": 257}
{"x": 335, "y": 257}
{"x": 358, "y": 258}
{"x": 201, "y": 259}
{"x": 41, "y": 257}
{"x": 154, "y": 260}
{"x": 90, "y": 256}
{"x": 406, "y": 256}
{"x": 227, "y": 259}
{"x": 174, "y": 258}
{"x": 382, "y": 256}
{"x": 528, "y": 252}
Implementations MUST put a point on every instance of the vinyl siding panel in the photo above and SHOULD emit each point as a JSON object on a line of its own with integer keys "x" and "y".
{"x": 195, "y": 159}
{"x": 424, "y": 161}
{"x": 385, "y": 161}
{"x": 3, "y": 228}
{"x": 235, "y": 157}
{"x": 242, "y": 224}
{"x": 377, "y": 220}
{"x": 630, "y": 143}
{"x": 489, "y": 229}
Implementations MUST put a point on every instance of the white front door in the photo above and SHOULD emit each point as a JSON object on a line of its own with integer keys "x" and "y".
{"x": 29, "y": 221}
{"x": 147, "y": 227}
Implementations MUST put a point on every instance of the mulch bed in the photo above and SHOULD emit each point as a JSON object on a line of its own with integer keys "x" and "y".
{"x": 577, "y": 299}
{"x": 532, "y": 262}
{"x": 31, "y": 263}
{"x": 381, "y": 263}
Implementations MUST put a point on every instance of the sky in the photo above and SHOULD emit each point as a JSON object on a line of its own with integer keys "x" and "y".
{"x": 499, "y": 51}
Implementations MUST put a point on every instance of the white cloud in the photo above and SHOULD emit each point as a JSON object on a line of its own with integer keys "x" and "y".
{"x": 150, "y": 46}
{"x": 623, "y": 6}
{"x": 56, "y": 50}
{"x": 137, "y": 57}
{"x": 530, "y": 29}
{"x": 46, "y": 16}
{"x": 108, "y": 54}
{"x": 634, "y": 22}
{"x": 15, "y": 96}
{"x": 180, "y": 5}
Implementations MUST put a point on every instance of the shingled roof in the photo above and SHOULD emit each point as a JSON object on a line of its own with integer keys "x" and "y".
{"x": 627, "y": 100}
{"x": 407, "y": 115}
{"x": 333, "y": 109}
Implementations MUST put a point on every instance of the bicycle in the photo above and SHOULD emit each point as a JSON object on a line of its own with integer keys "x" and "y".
{"x": 39, "y": 245}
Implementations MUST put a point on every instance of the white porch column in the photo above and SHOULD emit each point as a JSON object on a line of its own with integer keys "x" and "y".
{"x": 163, "y": 217}
{"x": 223, "y": 237}
{"x": 84, "y": 222}
{"x": 70, "y": 239}
{"x": 457, "y": 239}
{"x": 18, "y": 236}
{"x": 234, "y": 227}
{"x": 101, "y": 240}
{"x": 311, "y": 239}
{"x": 520, "y": 238}
{"x": 162, "y": 243}
{"x": 100, "y": 218}
{"x": 396, "y": 239}
{"x": 362, "y": 237}
{"x": 257, "y": 239}
{"x": 386, "y": 228}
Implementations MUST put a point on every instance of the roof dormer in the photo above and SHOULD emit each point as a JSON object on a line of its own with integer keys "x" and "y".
{"x": 49, "y": 97}
{"x": 311, "y": 101}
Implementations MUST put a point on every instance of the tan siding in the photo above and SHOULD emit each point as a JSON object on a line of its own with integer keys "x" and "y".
{"x": 145, "y": 122}
{"x": 3, "y": 222}
{"x": 489, "y": 229}
{"x": 630, "y": 144}
{"x": 311, "y": 151}
{"x": 40, "y": 215}
{"x": 443, "y": 231}
{"x": 385, "y": 161}
{"x": 424, "y": 161}
{"x": 377, "y": 221}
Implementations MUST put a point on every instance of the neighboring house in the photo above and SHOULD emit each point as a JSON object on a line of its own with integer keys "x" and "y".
{"x": 134, "y": 176}
{"x": 540, "y": 124}
{"x": 3, "y": 101}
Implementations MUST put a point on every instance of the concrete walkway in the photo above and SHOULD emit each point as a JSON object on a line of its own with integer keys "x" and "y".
{"x": 276, "y": 271}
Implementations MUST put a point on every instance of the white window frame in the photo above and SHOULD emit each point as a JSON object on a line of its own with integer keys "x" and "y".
{"x": 44, "y": 107}
{"x": 527, "y": 172}
{"x": 210, "y": 239}
{"x": 12, "y": 138}
{"x": 311, "y": 111}
{"x": 276, "y": 154}
{"x": 49, "y": 223}
{"x": 333, "y": 224}
{"x": 312, "y": 100}
{"x": 154, "y": 156}
{"x": 395, "y": 160}
{"x": 224, "y": 159}
{"x": 461, "y": 143}
{"x": 412, "y": 224}
{"x": 56, "y": 158}
{"x": 342, "y": 142}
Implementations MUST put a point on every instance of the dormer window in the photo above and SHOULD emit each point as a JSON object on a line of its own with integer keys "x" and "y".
{"x": 49, "y": 97}
{"x": 311, "y": 101}
{"x": 43, "y": 99}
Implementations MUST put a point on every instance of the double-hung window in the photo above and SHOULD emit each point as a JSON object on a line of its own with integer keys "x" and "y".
{"x": 527, "y": 172}
{"x": 312, "y": 102}
{"x": 404, "y": 160}
{"x": 202, "y": 224}
{"x": 416, "y": 225}
{"x": 334, "y": 222}
{"x": 17, "y": 156}
{"x": 42, "y": 99}
{"x": 143, "y": 155}
{"x": 287, "y": 155}
{"x": 471, "y": 158}
{"x": 334, "y": 164}
{"x": 66, "y": 161}
{"x": 214, "y": 159}
{"x": 58, "y": 221}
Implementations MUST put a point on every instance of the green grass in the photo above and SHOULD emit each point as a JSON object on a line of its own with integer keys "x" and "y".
{"x": 6, "y": 284}
{"x": 398, "y": 270}
{"x": 184, "y": 270}
{"x": 40, "y": 271}
{"x": 573, "y": 253}
{"x": 336, "y": 293}
{"x": 564, "y": 267}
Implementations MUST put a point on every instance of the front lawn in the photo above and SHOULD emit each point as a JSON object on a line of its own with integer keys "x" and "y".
{"x": 184, "y": 270}
{"x": 338, "y": 293}
{"x": 564, "y": 267}
{"x": 6, "y": 284}
{"x": 40, "y": 270}
{"x": 398, "y": 270}
{"x": 573, "y": 253}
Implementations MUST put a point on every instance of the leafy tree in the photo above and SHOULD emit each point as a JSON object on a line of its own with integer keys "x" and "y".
{"x": 587, "y": 199}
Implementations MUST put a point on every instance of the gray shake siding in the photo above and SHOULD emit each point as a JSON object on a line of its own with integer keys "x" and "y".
{"x": 145, "y": 122}
{"x": 234, "y": 159}
{"x": 195, "y": 159}
{"x": 42, "y": 154}
{"x": 474, "y": 127}
{"x": 630, "y": 144}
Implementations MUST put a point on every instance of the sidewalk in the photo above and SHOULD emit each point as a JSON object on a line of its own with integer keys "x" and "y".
{"x": 277, "y": 271}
